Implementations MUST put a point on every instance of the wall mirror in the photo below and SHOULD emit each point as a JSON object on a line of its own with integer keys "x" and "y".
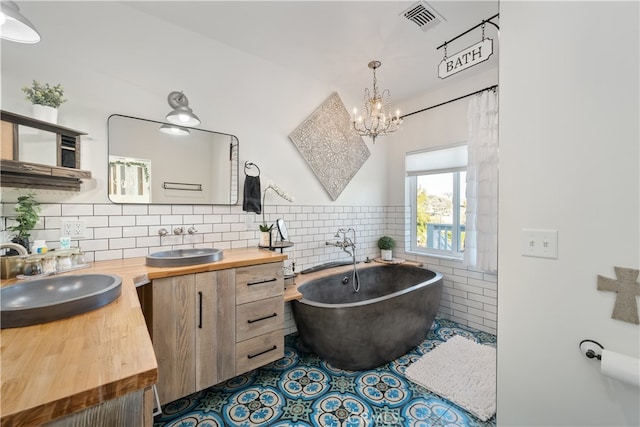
{"x": 160, "y": 163}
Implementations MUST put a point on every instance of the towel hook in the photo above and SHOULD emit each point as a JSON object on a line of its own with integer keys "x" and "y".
{"x": 248, "y": 165}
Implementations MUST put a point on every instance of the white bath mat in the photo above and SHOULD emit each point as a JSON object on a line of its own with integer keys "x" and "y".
{"x": 462, "y": 371}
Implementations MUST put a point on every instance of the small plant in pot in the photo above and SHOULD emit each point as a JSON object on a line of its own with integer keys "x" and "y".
{"x": 386, "y": 245}
{"x": 265, "y": 234}
{"x": 45, "y": 100}
{"x": 27, "y": 215}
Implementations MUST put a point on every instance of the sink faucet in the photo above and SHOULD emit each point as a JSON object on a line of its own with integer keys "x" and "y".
{"x": 18, "y": 248}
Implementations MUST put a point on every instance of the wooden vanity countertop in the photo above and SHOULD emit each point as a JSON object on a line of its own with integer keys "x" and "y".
{"x": 62, "y": 367}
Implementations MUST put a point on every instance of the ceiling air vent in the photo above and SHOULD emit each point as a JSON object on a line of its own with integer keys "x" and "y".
{"x": 423, "y": 15}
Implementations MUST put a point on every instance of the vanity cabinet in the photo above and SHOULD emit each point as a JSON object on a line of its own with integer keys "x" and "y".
{"x": 38, "y": 154}
{"x": 209, "y": 327}
{"x": 193, "y": 332}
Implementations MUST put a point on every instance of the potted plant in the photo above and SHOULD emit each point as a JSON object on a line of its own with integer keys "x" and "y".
{"x": 265, "y": 234}
{"x": 45, "y": 99}
{"x": 27, "y": 215}
{"x": 386, "y": 245}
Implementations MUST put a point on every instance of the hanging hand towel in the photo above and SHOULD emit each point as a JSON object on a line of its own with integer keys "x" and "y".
{"x": 252, "y": 192}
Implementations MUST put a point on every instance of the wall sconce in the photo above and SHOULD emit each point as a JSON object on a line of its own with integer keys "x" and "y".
{"x": 181, "y": 113}
{"x": 174, "y": 130}
{"x": 14, "y": 26}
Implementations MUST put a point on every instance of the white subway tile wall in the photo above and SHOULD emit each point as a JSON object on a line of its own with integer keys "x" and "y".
{"x": 127, "y": 231}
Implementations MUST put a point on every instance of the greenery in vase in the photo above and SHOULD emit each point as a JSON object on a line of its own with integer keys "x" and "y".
{"x": 27, "y": 215}
{"x": 142, "y": 165}
{"x": 43, "y": 94}
{"x": 386, "y": 243}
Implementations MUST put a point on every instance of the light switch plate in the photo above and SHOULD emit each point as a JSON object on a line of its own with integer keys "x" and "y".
{"x": 539, "y": 243}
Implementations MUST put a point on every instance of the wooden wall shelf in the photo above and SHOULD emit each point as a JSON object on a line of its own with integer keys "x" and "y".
{"x": 65, "y": 174}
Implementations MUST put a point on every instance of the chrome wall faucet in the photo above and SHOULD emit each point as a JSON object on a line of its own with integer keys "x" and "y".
{"x": 346, "y": 241}
{"x": 345, "y": 244}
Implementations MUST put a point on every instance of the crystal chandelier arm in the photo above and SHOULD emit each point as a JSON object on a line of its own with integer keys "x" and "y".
{"x": 377, "y": 119}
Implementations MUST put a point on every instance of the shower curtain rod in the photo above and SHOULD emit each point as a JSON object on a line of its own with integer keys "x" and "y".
{"x": 451, "y": 100}
{"x": 485, "y": 21}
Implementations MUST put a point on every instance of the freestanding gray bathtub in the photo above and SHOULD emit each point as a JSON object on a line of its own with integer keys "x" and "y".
{"x": 391, "y": 314}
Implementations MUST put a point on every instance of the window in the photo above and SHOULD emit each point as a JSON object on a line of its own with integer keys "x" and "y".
{"x": 437, "y": 197}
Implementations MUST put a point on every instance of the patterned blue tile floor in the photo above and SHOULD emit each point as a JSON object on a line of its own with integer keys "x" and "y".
{"x": 303, "y": 390}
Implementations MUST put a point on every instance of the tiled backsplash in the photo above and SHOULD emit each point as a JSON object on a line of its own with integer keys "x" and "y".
{"x": 127, "y": 231}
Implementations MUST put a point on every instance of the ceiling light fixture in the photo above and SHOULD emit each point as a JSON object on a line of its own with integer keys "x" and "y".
{"x": 377, "y": 120}
{"x": 14, "y": 26}
{"x": 181, "y": 114}
{"x": 174, "y": 130}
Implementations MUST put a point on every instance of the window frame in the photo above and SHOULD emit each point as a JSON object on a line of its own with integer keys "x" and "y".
{"x": 412, "y": 184}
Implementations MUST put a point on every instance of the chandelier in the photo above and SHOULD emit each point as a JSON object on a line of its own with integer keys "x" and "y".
{"x": 377, "y": 120}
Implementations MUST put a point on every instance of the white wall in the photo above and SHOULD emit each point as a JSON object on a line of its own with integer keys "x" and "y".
{"x": 119, "y": 60}
{"x": 569, "y": 157}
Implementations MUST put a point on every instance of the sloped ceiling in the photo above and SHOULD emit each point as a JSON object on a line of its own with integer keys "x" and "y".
{"x": 330, "y": 42}
{"x": 335, "y": 40}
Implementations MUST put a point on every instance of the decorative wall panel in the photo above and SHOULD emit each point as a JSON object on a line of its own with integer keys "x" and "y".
{"x": 332, "y": 149}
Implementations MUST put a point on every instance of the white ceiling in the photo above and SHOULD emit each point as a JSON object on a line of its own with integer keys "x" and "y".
{"x": 334, "y": 41}
{"x": 328, "y": 41}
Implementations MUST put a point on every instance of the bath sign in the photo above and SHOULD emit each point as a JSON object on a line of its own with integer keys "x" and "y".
{"x": 473, "y": 55}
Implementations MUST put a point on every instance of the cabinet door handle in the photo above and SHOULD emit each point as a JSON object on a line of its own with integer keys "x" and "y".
{"x": 259, "y": 282}
{"x": 200, "y": 309}
{"x": 262, "y": 318}
{"x": 251, "y": 356}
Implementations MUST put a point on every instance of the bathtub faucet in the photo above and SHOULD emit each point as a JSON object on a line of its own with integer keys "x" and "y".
{"x": 346, "y": 242}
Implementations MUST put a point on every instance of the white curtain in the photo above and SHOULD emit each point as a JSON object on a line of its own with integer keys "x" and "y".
{"x": 481, "y": 239}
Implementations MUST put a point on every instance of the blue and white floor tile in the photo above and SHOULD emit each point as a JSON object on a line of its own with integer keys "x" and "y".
{"x": 303, "y": 390}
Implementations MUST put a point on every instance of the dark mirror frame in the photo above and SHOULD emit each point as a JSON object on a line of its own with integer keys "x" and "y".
{"x": 146, "y": 166}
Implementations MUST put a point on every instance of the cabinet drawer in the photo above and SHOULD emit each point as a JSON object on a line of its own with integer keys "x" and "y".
{"x": 260, "y": 317}
{"x": 259, "y": 282}
{"x": 259, "y": 351}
